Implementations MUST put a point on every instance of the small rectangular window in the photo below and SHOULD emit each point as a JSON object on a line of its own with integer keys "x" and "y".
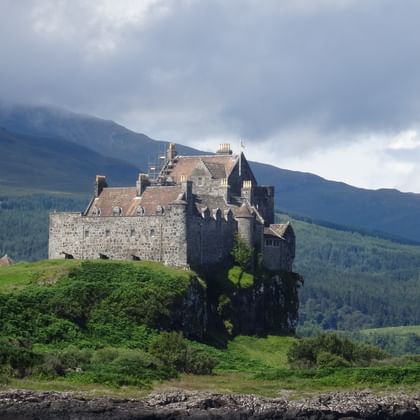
{"x": 86, "y": 234}
{"x": 132, "y": 232}
{"x": 107, "y": 233}
{"x": 152, "y": 233}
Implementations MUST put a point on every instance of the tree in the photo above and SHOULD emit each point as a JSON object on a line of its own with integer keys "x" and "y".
{"x": 242, "y": 253}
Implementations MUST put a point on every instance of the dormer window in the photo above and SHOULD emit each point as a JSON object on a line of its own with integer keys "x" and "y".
{"x": 159, "y": 210}
{"x": 140, "y": 211}
{"x": 96, "y": 211}
{"x": 117, "y": 211}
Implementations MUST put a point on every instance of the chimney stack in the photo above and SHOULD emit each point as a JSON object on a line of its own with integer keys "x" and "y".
{"x": 224, "y": 149}
{"x": 100, "y": 184}
{"x": 141, "y": 184}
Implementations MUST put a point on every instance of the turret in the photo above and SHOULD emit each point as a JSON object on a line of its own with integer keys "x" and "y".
{"x": 246, "y": 222}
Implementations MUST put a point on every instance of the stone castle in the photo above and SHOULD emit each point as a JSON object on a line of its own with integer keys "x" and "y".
{"x": 186, "y": 216}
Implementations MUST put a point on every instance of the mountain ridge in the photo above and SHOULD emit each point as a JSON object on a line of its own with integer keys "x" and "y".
{"x": 385, "y": 210}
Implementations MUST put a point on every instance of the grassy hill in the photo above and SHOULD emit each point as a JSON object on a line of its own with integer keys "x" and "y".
{"x": 100, "y": 327}
{"x": 397, "y": 341}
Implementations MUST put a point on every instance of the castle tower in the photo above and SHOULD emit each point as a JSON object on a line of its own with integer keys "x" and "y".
{"x": 245, "y": 221}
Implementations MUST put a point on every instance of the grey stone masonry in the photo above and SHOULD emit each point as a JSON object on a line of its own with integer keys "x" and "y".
{"x": 188, "y": 216}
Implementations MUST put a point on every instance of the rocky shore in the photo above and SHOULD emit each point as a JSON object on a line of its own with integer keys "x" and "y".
{"x": 25, "y": 405}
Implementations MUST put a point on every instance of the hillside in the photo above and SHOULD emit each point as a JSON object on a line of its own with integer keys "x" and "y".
{"x": 102, "y": 136}
{"x": 389, "y": 211}
{"x": 355, "y": 281}
{"x": 31, "y": 163}
{"x": 107, "y": 326}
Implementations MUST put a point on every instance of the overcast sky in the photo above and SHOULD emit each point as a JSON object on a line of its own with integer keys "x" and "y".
{"x": 324, "y": 86}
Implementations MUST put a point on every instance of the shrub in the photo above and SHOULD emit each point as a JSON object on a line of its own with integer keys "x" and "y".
{"x": 326, "y": 359}
{"x": 171, "y": 349}
{"x": 328, "y": 350}
{"x": 199, "y": 363}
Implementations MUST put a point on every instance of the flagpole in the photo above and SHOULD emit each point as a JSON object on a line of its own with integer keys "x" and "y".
{"x": 240, "y": 160}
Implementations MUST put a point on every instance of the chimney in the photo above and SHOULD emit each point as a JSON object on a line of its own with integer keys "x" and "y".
{"x": 224, "y": 149}
{"x": 247, "y": 191}
{"x": 141, "y": 184}
{"x": 171, "y": 152}
{"x": 100, "y": 184}
{"x": 186, "y": 187}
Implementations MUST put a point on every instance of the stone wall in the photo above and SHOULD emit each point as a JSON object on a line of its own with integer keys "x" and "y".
{"x": 210, "y": 238}
{"x": 279, "y": 255}
{"x": 156, "y": 238}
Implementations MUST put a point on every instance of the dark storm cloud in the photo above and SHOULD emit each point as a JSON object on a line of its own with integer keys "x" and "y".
{"x": 246, "y": 69}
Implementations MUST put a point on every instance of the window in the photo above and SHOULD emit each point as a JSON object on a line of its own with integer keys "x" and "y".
{"x": 200, "y": 181}
{"x": 140, "y": 211}
{"x": 117, "y": 211}
{"x": 86, "y": 234}
{"x": 159, "y": 210}
{"x": 152, "y": 233}
{"x": 96, "y": 211}
{"x": 107, "y": 233}
{"x": 132, "y": 232}
{"x": 269, "y": 242}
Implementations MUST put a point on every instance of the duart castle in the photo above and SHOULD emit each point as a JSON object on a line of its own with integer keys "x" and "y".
{"x": 187, "y": 216}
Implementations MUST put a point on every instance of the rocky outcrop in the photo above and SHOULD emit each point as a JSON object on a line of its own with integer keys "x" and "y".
{"x": 190, "y": 314}
{"x": 25, "y": 405}
{"x": 270, "y": 306}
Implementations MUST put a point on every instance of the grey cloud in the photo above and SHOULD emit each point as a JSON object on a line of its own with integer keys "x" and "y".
{"x": 249, "y": 69}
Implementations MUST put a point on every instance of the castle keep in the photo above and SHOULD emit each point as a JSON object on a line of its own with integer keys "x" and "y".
{"x": 188, "y": 215}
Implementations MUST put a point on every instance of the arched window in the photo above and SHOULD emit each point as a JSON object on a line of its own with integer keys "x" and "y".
{"x": 159, "y": 210}
{"x": 117, "y": 211}
{"x": 140, "y": 211}
{"x": 96, "y": 211}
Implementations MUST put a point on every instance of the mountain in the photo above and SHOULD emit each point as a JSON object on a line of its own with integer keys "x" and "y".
{"x": 103, "y": 136}
{"x": 32, "y": 163}
{"x": 376, "y": 211}
{"x": 387, "y": 211}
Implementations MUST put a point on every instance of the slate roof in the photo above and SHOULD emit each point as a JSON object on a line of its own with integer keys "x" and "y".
{"x": 127, "y": 200}
{"x": 220, "y": 166}
{"x": 277, "y": 230}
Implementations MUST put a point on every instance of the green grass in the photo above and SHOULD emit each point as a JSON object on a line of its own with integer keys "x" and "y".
{"x": 408, "y": 329}
{"x": 23, "y": 274}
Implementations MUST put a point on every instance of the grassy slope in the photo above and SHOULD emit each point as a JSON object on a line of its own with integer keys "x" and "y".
{"x": 248, "y": 365}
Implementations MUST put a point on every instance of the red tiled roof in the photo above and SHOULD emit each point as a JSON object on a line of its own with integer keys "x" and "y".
{"x": 127, "y": 200}
{"x": 220, "y": 166}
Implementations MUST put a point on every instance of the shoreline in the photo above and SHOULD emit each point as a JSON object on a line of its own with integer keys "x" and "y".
{"x": 28, "y": 405}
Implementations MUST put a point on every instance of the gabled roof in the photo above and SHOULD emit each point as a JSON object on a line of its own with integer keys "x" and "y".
{"x": 5, "y": 260}
{"x": 219, "y": 166}
{"x": 127, "y": 200}
{"x": 278, "y": 230}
